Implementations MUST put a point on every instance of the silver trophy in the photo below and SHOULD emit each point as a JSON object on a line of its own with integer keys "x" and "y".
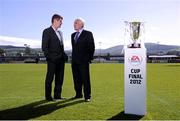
{"x": 134, "y": 32}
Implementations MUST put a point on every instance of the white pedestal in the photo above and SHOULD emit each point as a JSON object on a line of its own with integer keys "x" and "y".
{"x": 135, "y": 81}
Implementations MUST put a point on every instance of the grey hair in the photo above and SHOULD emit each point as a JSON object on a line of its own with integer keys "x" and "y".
{"x": 82, "y": 20}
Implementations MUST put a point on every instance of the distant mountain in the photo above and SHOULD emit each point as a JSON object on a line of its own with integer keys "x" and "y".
{"x": 160, "y": 48}
{"x": 116, "y": 50}
{"x": 10, "y": 47}
{"x": 152, "y": 48}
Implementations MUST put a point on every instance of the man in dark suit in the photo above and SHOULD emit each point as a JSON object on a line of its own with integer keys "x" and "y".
{"x": 53, "y": 48}
{"x": 82, "y": 54}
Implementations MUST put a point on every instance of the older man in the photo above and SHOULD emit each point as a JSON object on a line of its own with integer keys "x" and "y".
{"x": 82, "y": 54}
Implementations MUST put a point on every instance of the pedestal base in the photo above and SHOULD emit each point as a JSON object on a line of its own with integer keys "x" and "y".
{"x": 135, "y": 81}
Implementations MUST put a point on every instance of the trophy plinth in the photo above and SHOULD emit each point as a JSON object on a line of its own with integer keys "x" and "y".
{"x": 134, "y": 69}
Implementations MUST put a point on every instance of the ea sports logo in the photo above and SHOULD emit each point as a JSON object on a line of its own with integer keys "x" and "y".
{"x": 135, "y": 60}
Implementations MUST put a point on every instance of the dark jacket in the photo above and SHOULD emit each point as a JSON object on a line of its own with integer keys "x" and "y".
{"x": 83, "y": 49}
{"x": 51, "y": 46}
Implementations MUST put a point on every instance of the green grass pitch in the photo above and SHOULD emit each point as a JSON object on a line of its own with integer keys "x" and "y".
{"x": 22, "y": 93}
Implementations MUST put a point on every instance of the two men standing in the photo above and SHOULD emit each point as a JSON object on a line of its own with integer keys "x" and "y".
{"x": 82, "y": 54}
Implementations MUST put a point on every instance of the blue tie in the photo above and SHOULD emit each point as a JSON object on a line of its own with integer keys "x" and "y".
{"x": 76, "y": 37}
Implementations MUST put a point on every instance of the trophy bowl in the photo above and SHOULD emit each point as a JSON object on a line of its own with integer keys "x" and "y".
{"x": 134, "y": 31}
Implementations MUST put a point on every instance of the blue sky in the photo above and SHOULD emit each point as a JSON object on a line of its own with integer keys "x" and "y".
{"x": 22, "y": 21}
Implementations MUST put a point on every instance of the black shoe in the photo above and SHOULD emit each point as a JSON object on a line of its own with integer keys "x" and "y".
{"x": 76, "y": 97}
{"x": 59, "y": 98}
{"x": 49, "y": 99}
{"x": 87, "y": 100}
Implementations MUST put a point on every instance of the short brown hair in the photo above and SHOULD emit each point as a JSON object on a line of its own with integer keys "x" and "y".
{"x": 56, "y": 16}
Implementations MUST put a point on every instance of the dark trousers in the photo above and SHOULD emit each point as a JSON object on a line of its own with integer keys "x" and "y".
{"x": 57, "y": 70}
{"x": 81, "y": 79}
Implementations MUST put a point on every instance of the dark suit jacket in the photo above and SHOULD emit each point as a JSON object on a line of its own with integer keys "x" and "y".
{"x": 51, "y": 46}
{"x": 83, "y": 49}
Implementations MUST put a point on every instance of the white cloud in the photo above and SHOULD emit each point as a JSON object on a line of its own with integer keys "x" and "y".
{"x": 67, "y": 45}
{"x": 34, "y": 43}
{"x": 108, "y": 42}
{"x": 5, "y": 40}
{"x": 162, "y": 35}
